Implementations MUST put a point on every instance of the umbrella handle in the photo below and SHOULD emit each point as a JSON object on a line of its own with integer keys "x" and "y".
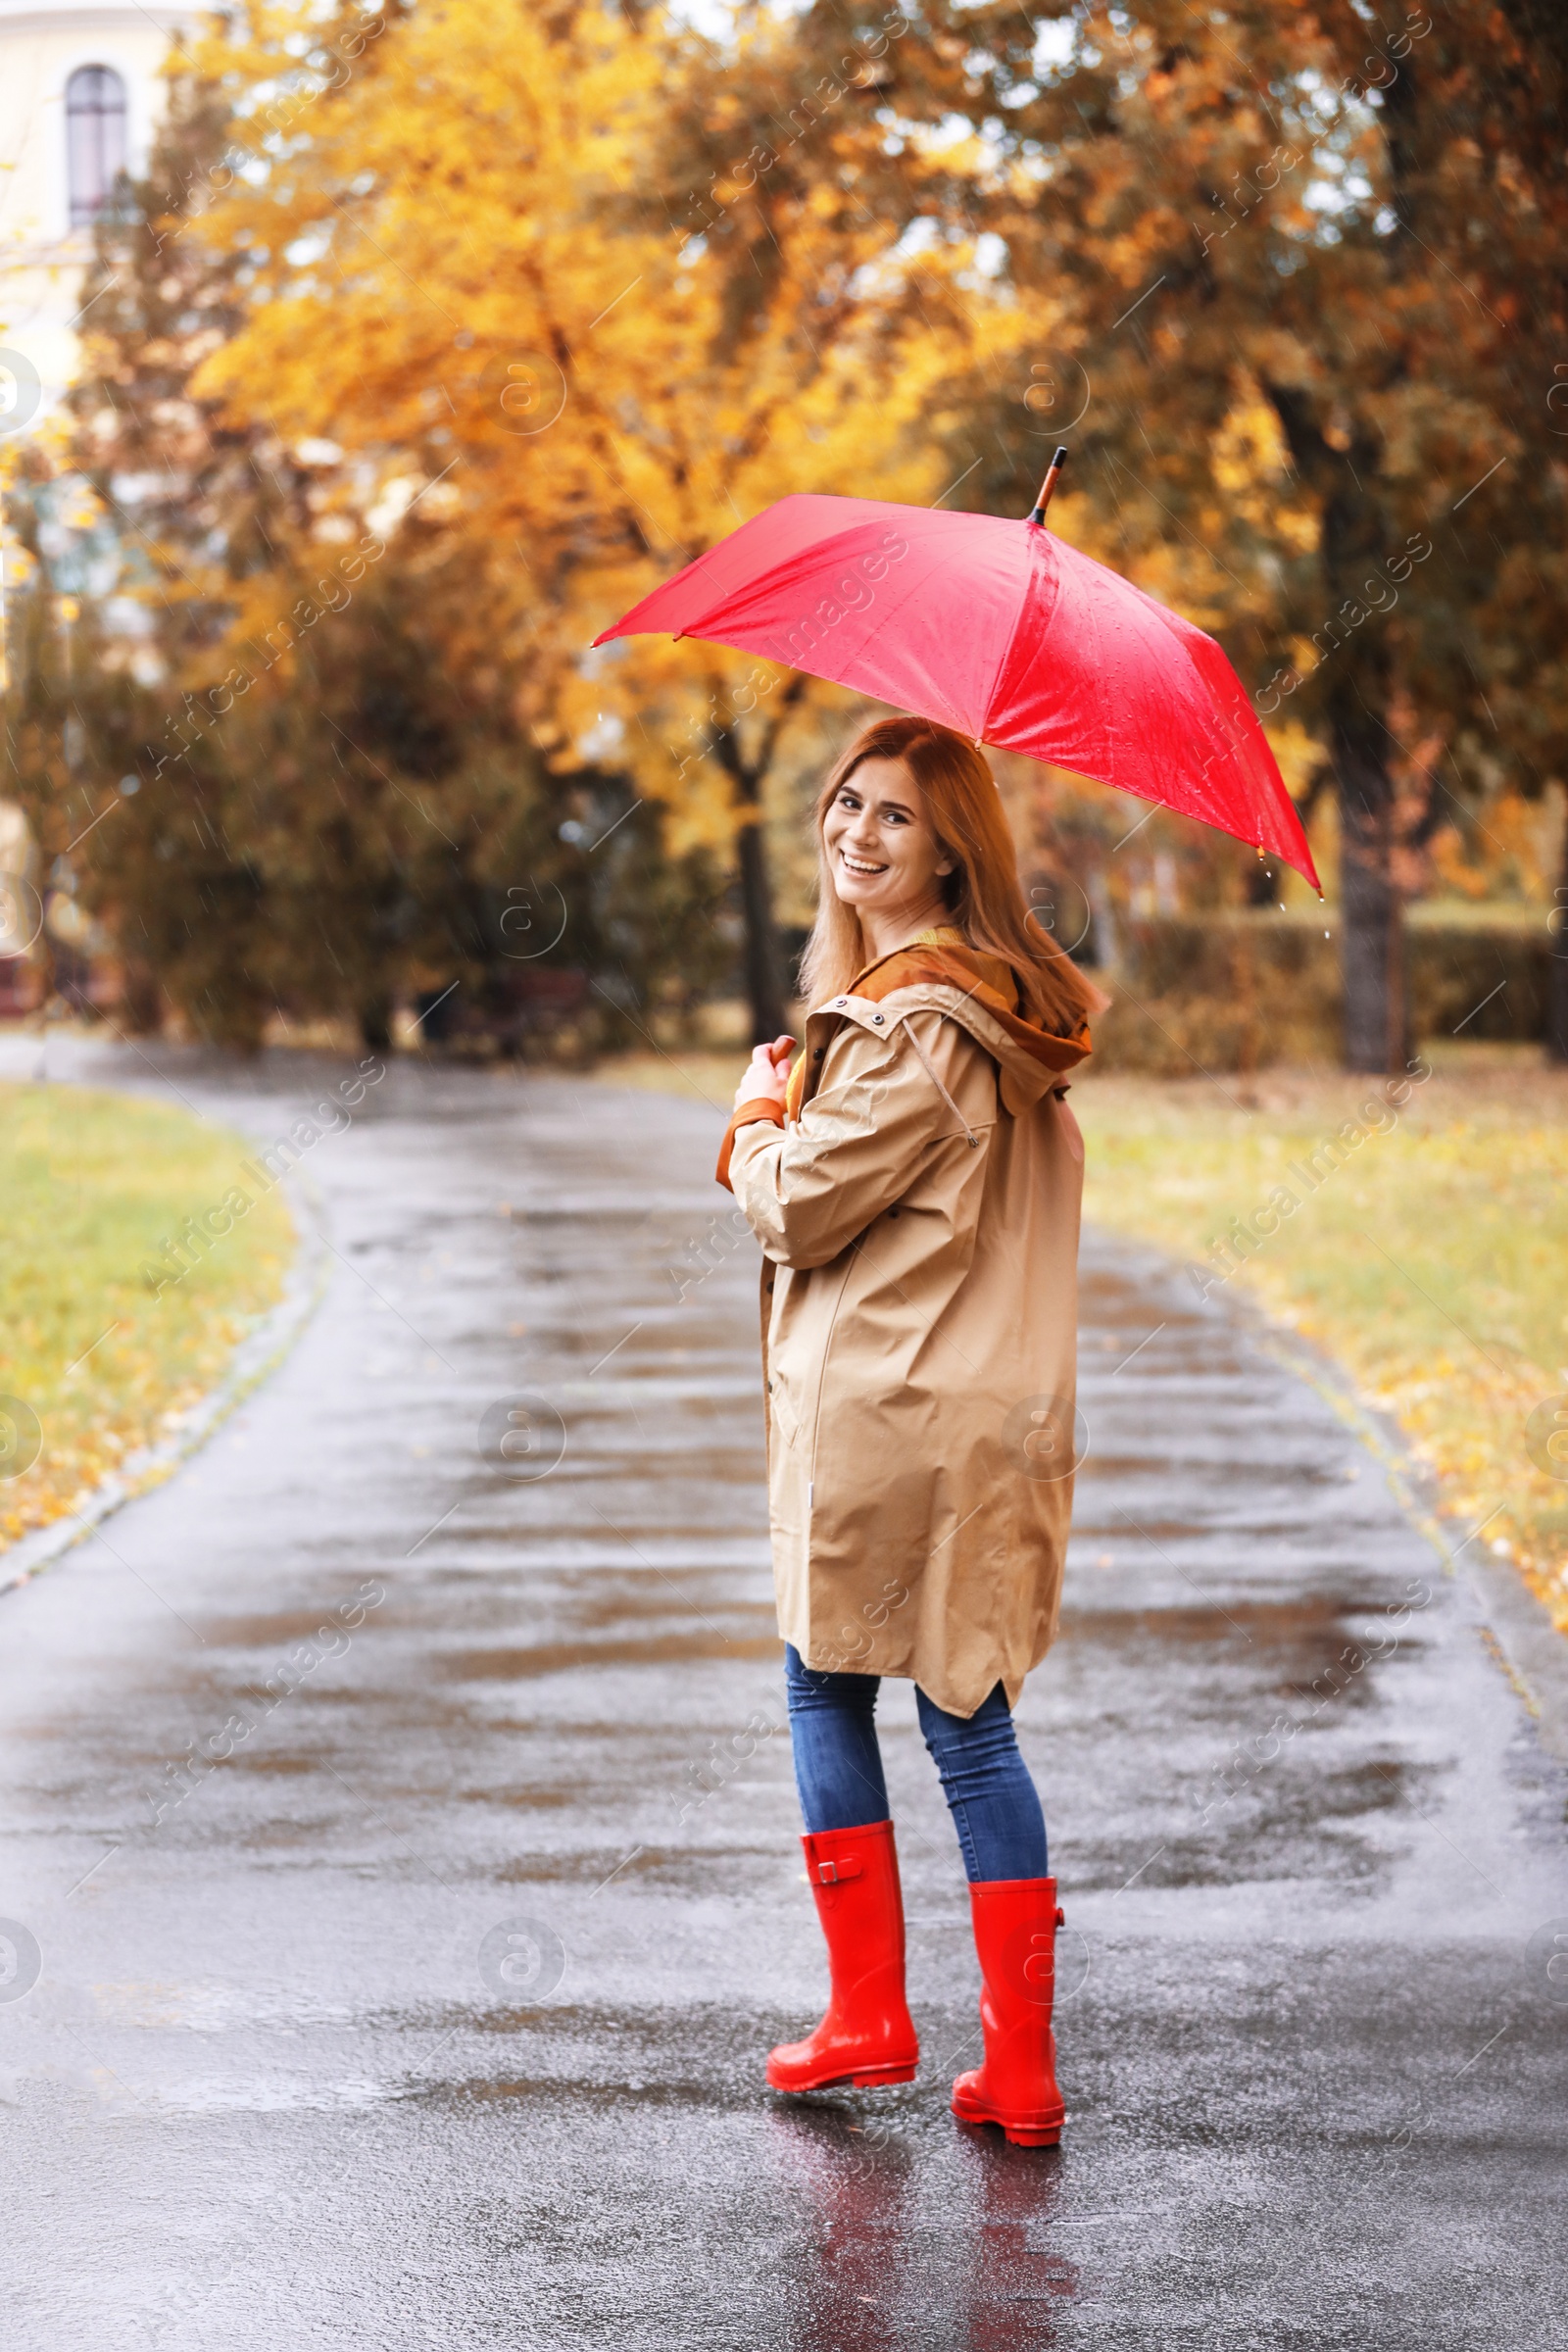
{"x": 1047, "y": 485}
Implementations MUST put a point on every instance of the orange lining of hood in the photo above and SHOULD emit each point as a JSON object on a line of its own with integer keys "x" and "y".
{"x": 943, "y": 960}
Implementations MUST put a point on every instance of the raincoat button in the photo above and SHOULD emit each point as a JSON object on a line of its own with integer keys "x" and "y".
{"x": 840, "y": 1001}
{"x": 818, "y": 1055}
{"x": 877, "y": 1017}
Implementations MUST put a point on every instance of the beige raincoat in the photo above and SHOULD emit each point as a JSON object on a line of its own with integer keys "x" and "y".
{"x": 917, "y": 1206}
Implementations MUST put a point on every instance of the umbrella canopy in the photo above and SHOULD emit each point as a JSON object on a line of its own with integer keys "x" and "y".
{"x": 1001, "y": 631}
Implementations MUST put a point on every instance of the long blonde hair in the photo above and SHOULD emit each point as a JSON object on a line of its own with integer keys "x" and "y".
{"x": 984, "y": 899}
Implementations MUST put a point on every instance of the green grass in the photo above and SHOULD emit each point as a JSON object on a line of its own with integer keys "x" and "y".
{"x": 93, "y": 1183}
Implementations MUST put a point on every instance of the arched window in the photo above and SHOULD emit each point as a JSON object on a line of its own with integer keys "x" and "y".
{"x": 95, "y": 139}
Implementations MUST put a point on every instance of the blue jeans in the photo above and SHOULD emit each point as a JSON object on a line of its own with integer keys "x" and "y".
{"x": 838, "y": 1768}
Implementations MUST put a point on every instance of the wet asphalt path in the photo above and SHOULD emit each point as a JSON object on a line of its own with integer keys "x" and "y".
{"x": 433, "y": 2013}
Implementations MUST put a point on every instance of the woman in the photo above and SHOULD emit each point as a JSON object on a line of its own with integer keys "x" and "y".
{"x": 914, "y": 1184}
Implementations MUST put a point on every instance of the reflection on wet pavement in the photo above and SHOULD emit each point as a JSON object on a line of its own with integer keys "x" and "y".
{"x": 408, "y": 1983}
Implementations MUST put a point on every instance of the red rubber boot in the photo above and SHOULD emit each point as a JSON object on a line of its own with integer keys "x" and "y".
{"x": 867, "y": 2035}
{"x": 1015, "y": 1923}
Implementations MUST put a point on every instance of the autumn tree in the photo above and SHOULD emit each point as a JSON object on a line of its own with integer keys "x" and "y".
{"x": 1492, "y": 132}
{"x": 330, "y": 795}
{"x": 1258, "y": 237}
{"x": 501, "y": 273}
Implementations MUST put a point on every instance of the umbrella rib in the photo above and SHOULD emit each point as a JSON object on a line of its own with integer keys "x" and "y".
{"x": 1012, "y": 635}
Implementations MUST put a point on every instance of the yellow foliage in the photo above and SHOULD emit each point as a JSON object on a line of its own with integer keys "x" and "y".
{"x": 461, "y": 277}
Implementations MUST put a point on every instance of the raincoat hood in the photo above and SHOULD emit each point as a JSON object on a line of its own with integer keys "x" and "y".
{"x": 939, "y": 971}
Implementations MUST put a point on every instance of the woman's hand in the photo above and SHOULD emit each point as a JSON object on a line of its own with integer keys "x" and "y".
{"x": 767, "y": 1073}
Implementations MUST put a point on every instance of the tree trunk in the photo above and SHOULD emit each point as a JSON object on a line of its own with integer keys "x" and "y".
{"x": 1557, "y": 967}
{"x": 1356, "y": 696}
{"x": 1244, "y": 982}
{"x": 376, "y": 1023}
{"x": 1371, "y": 913}
{"x": 141, "y": 1002}
{"x": 764, "y": 966}
{"x": 764, "y": 969}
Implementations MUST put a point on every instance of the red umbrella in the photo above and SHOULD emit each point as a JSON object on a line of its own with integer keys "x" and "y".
{"x": 1000, "y": 630}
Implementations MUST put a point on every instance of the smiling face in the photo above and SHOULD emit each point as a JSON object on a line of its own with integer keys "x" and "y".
{"x": 882, "y": 854}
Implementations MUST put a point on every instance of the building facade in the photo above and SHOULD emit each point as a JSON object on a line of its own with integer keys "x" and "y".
{"x": 81, "y": 89}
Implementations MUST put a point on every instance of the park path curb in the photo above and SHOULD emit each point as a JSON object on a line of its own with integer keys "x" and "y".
{"x": 257, "y": 1356}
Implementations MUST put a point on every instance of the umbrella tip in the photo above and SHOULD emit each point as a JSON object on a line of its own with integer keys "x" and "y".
{"x": 1049, "y": 485}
